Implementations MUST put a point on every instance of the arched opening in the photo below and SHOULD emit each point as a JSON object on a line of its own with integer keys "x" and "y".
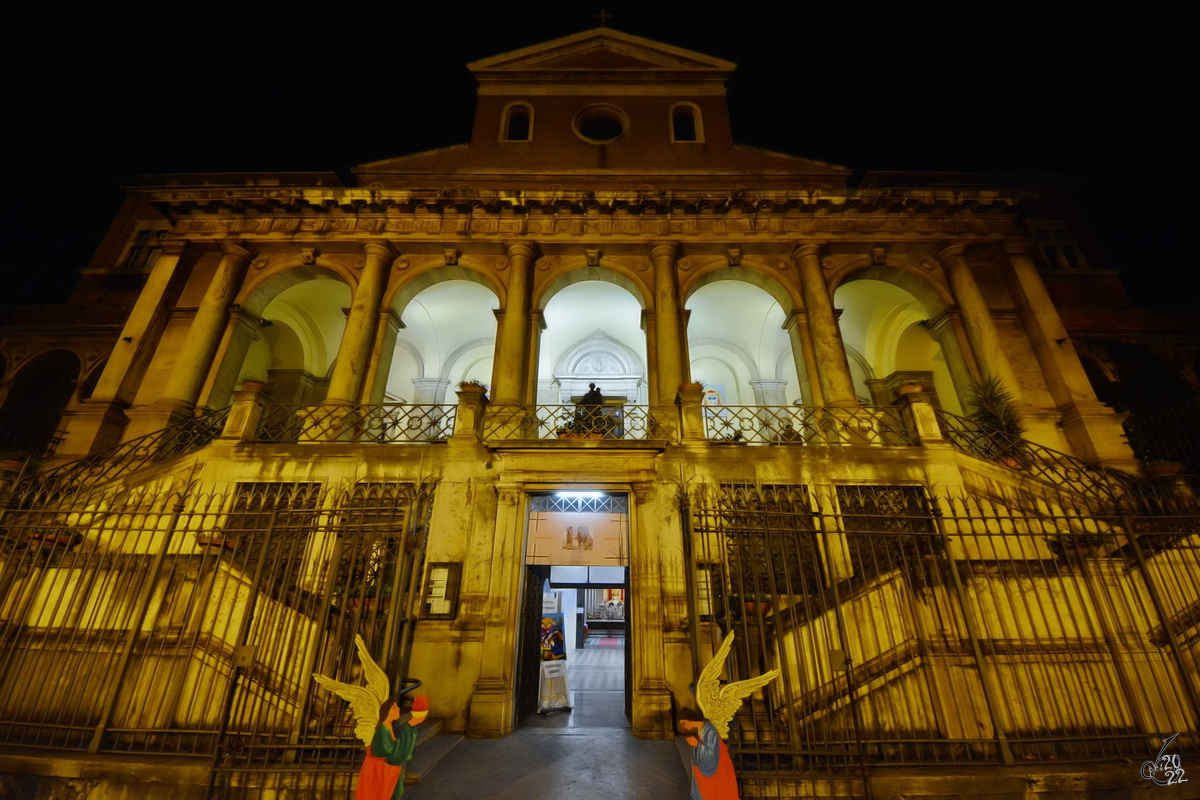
{"x": 449, "y": 336}
{"x": 738, "y": 346}
{"x": 516, "y": 125}
{"x": 593, "y": 334}
{"x": 685, "y": 123}
{"x": 33, "y": 409}
{"x": 892, "y": 337}
{"x": 294, "y": 349}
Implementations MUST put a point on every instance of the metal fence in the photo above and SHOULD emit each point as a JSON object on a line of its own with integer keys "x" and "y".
{"x": 188, "y": 620}
{"x": 811, "y": 425}
{"x": 386, "y": 423}
{"x": 916, "y": 627}
{"x": 136, "y": 454}
{"x": 574, "y": 422}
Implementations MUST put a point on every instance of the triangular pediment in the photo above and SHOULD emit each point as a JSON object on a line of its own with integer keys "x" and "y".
{"x": 601, "y": 49}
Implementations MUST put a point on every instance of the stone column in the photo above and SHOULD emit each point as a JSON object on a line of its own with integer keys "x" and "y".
{"x": 512, "y": 335}
{"x": 1092, "y": 429}
{"x": 829, "y": 352}
{"x": 352, "y": 363}
{"x": 382, "y": 351}
{"x": 99, "y": 422}
{"x": 430, "y": 391}
{"x": 668, "y": 324}
{"x": 800, "y": 337}
{"x": 977, "y": 319}
{"x": 195, "y": 358}
{"x": 492, "y": 700}
{"x": 769, "y": 392}
{"x": 947, "y": 330}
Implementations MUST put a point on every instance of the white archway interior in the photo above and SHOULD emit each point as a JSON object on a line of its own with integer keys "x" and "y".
{"x": 593, "y": 334}
{"x": 738, "y": 346}
{"x": 883, "y": 324}
{"x": 449, "y": 336}
{"x": 295, "y": 348}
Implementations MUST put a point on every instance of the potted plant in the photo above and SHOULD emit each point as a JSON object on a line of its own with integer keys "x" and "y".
{"x": 472, "y": 385}
{"x": 995, "y": 414}
{"x": 57, "y": 538}
{"x": 217, "y": 541}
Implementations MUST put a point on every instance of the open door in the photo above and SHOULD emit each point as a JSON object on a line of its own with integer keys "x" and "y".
{"x": 529, "y": 650}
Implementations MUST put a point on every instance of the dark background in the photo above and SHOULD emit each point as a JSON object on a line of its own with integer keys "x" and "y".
{"x": 1105, "y": 96}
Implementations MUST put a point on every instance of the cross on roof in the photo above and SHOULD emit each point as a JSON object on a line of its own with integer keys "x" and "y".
{"x": 603, "y": 16}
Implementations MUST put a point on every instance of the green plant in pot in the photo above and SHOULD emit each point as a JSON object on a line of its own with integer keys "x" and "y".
{"x": 994, "y": 412}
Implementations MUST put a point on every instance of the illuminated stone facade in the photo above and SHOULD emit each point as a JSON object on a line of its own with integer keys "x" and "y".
{"x": 338, "y": 323}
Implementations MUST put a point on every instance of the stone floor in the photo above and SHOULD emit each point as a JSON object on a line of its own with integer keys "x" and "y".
{"x": 587, "y": 753}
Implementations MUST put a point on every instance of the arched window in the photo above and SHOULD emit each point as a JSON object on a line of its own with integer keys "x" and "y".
{"x": 516, "y": 123}
{"x": 685, "y": 123}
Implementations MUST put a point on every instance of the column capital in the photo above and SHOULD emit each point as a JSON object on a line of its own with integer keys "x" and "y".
{"x": 807, "y": 249}
{"x": 663, "y": 250}
{"x": 178, "y": 247}
{"x": 1018, "y": 247}
{"x": 528, "y": 250}
{"x": 795, "y": 317}
{"x": 238, "y": 249}
{"x": 951, "y": 252}
{"x": 381, "y": 249}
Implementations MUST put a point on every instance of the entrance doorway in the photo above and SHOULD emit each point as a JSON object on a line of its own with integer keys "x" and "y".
{"x": 575, "y": 621}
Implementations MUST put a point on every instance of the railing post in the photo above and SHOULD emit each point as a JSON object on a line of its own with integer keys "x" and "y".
{"x": 988, "y": 681}
{"x": 920, "y": 419}
{"x": 1186, "y": 676}
{"x": 691, "y": 412}
{"x": 135, "y": 627}
{"x": 245, "y": 412}
{"x": 468, "y": 422}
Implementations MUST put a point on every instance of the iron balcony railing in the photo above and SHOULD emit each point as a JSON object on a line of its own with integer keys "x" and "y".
{"x": 877, "y": 426}
{"x": 128, "y": 457}
{"x": 1041, "y": 463}
{"x": 573, "y": 422}
{"x": 386, "y": 423}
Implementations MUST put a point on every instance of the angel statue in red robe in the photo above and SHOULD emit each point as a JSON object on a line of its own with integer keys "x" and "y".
{"x": 713, "y": 777}
{"x": 389, "y": 748}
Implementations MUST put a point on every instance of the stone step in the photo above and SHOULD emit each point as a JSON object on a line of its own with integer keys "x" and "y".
{"x": 430, "y": 750}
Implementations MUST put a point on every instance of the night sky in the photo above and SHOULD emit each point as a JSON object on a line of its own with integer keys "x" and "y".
{"x": 1106, "y": 97}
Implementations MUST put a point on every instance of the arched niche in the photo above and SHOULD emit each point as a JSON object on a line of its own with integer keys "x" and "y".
{"x": 447, "y": 331}
{"x": 744, "y": 274}
{"x": 593, "y": 333}
{"x": 39, "y": 393}
{"x": 616, "y": 369}
{"x": 736, "y": 340}
{"x": 401, "y": 294}
{"x": 575, "y": 272}
{"x": 894, "y": 324}
{"x": 287, "y": 335}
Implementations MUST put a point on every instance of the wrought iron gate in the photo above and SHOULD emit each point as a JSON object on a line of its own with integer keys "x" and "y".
{"x": 917, "y": 627}
{"x": 188, "y": 620}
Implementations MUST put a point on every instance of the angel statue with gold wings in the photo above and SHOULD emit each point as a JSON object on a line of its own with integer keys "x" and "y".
{"x": 388, "y": 750}
{"x": 713, "y": 777}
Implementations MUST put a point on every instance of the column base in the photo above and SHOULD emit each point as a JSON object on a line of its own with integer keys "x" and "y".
{"x": 92, "y": 427}
{"x": 652, "y": 711}
{"x": 1095, "y": 434}
{"x": 491, "y": 710}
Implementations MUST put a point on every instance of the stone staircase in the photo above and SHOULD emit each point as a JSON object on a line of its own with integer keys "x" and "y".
{"x": 432, "y": 747}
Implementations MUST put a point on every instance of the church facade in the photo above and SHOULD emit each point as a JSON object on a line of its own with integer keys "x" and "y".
{"x": 288, "y": 411}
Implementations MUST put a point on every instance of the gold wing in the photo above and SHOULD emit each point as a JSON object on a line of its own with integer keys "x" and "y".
{"x": 364, "y": 700}
{"x": 718, "y": 703}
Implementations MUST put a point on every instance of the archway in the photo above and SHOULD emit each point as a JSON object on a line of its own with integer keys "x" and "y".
{"x": 738, "y": 346}
{"x": 889, "y": 337}
{"x": 294, "y": 348}
{"x": 593, "y": 334}
{"x": 39, "y": 394}
{"x": 448, "y": 336}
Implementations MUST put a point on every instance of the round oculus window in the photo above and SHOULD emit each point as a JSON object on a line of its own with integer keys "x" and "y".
{"x": 601, "y": 124}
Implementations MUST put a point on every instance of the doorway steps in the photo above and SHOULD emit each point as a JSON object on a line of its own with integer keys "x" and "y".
{"x": 432, "y": 747}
